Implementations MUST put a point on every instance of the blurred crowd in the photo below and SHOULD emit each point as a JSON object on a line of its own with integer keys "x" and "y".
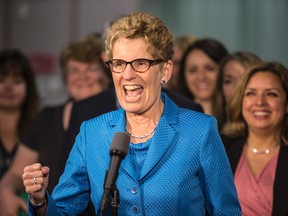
{"x": 246, "y": 94}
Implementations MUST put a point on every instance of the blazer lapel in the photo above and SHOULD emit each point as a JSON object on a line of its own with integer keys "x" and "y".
{"x": 118, "y": 124}
{"x": 161, "y": 141}
{"x": 162, "y": 137}
{"x": 281, "y": 184}
{"x": 234, "y": 148}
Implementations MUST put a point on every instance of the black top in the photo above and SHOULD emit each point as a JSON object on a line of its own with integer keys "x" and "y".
{"x": 46, "y": 136}
{"x": 6, "y": 158}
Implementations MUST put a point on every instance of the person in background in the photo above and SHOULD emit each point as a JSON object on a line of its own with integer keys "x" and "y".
{"x": 256, "y": 140}
{"x": 199, "y": 71}
{"x": 84, "y": 74}
{"x": 180, "y": 45}
{"x": 232, "y": 68}
{"x": 165, "y": 141}
{"x": 19, "y": 103}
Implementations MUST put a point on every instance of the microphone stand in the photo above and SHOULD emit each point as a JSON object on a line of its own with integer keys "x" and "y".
{"x": 115, "y": 202}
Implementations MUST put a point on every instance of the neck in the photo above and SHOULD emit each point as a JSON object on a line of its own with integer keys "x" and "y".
{"x": 9, "y": 119}
{"x": 141, "y": 127}
{"x": 262, "y": 143}
{"x": 263, "y": 139}
{"x": 67, "y": 114}
{"x": 206, "y": 105}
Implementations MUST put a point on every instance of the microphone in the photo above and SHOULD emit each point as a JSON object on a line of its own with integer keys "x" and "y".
{"x": 118, "y": 151}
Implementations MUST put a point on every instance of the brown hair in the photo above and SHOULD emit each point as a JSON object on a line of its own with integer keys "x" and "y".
{"x": 246, "y": 59}
{"x": 236, "y": 125}
{"x": 87, "y": 50}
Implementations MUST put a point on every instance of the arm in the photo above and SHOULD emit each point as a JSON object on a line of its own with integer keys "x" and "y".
{"x": 73, "y": 186}
{"x": 216, "y": 176}
{"x": 11, "y": 184}
{"x": 71, "y": 194}
{"x": 35, "y": 180}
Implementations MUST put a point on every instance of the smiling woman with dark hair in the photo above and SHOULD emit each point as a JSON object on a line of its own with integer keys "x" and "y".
{"x": 19, "y": 102}
{"x": 198, "y": 75}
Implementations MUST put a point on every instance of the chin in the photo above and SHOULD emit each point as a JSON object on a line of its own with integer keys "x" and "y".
{"x": 131, "y": 108}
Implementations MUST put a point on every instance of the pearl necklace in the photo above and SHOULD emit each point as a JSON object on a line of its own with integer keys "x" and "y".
{"x": 257, "y": 151}
{"x": 139, "y": 136}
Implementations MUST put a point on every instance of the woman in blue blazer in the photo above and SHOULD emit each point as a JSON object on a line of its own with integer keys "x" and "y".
{"x": 176, "y": 163}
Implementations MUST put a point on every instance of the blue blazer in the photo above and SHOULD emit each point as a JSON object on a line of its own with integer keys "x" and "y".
{"x": 186, "y": 170}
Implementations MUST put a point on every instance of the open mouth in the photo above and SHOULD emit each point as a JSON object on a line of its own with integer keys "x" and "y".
{"x": 203, "y": 86}
{"x": 260, "y": 113}
{"x": 132, "y": 92}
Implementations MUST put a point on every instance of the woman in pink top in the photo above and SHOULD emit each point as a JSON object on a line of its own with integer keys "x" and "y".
{"x": 256, "y": 140}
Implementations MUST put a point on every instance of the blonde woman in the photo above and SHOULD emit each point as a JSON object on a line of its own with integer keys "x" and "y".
{"x": 170, "y": 166}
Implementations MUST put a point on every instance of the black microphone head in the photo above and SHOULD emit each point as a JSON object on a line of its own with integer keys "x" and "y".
{"x": 120, "y": 144}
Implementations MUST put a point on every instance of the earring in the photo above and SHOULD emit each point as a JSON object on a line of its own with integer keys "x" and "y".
{"x": 163, "y": 82}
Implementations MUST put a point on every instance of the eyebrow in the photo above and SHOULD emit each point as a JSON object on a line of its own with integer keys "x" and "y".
{"x": 269, "y": 89}
{"x": 228, "y": 76}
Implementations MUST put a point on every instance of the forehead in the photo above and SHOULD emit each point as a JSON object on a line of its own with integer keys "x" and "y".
{"x": 130, "y": 49}
{"x": 197, "y": 56}
{"x": 11, "y": 73}
{"x": 265, "y": 79}
{"x": 233, "y": 66}
{"x": 75, "y": 63}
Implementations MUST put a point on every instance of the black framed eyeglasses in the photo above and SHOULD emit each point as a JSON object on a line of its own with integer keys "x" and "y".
{"x": 139, "y": 65}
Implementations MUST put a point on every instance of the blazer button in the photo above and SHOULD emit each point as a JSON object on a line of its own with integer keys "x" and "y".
{"x": 134, "y": 190}
{"x": 135, "y": 209}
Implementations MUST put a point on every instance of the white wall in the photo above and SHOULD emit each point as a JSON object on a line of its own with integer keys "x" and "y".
{"x": 259, "y": 26}
{"x": 2, "y": 24}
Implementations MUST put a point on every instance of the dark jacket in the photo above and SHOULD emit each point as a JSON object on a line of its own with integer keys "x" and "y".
{"x": 234, "y": 149}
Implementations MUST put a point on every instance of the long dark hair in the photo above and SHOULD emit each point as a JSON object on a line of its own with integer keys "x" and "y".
{"x": 217, "y": 52}
{"x": 14, "y": 61}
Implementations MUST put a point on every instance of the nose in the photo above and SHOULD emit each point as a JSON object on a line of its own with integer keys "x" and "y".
{"x": 260, "y": 100}
{"x": 8, "y": 84}
{"x": 201, "y": 74}
{"x": 129, "y": 73}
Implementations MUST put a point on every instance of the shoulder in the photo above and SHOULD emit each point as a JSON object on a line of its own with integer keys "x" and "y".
{"x": 195, "y": 118}
{"x": 98, "y": 99}
{"x": 107, "y": 118}
{"x": 184, "y": 117}
{"x": 284, "y": 150}
{"x": 230, "y": 142}
{"x": 182, "y": 101}
{"x": 49, "y": 112}
{"x": 95, "y": 105}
